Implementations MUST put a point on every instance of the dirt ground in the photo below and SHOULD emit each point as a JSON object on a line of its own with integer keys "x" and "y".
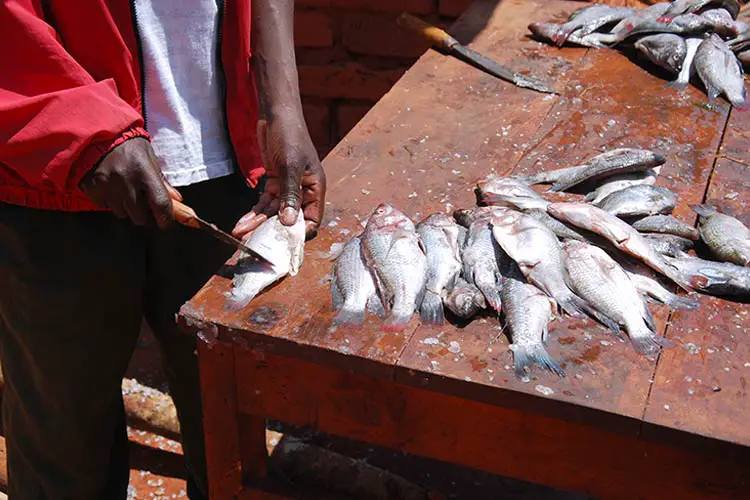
{"x": 157, "y": 465}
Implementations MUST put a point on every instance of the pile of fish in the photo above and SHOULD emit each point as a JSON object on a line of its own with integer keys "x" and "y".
{"x": 529, "y": 260}
{"x": 684, "y": 37}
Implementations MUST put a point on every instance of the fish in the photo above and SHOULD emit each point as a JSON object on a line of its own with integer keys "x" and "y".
{"x": 639, "y": 16}
{"x": 724, "y": 24}
{"x": 561, "y": 230}
{"x": 639, "y": 201}
{"x": 616, "y": 161}
{"x": 603, "y": 283}
{"x": 464, "y": 299}
{"x": 713, "y": 278}
{"x": 727, "y": 237}
{"x": 439, "y": 234}
{"x": 528, "y": 312}
{"x": 668, "y": 244}
{"x": 688, "y": 65}
{"x": 589, "y": 19}
{"x": 618, "y": 182}
{"x": 618, "y": 232}
{"x": 352, "y": 287}
{"x": 680, "y": 7}
{"x": 549, "y": 31}
{"x": 481, "y": 260}
{"x": 666, "y": 224}
{"x": 666, "y": 50}
{"x": 539, "y": 256}
{"x": 646, "y": 281}
{"x": 396, "y": 258}
{"x": 720, "y": 71}
{"x": 743, "y": 57}
{"x": 685, "y": 25}
{"x": 465, "y": 217}
{"x": 283, "y": 246}
{"x": 510, "y": 191}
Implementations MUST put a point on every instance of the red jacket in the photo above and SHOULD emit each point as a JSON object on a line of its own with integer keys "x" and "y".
{"x": 71, "y": 90}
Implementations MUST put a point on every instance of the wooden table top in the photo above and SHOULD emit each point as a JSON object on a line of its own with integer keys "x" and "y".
{"x": 422, "y": 148}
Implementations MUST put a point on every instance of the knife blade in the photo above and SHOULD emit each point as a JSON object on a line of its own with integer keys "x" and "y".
{"x": 187, "y": 217}
{"x": 442, "y": 40}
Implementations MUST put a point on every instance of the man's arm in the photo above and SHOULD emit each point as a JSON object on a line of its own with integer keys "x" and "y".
{"x": 58, "y": 125}
{"x": 295, "y": 176}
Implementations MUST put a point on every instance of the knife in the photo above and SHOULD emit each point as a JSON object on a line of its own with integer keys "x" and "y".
{"x": 442, "y": 40}
{"x": 187, "y": 217}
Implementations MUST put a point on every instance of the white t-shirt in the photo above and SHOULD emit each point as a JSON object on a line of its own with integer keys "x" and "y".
{"x": 183, "y": 92}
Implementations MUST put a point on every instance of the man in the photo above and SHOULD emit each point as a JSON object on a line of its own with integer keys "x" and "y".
{"x": 103, "y": 105}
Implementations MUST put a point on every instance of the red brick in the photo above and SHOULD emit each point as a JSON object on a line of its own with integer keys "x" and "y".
{"x": 413, "y": 6}
{"x": 378, "y": 34}
{"x": 347, "y": 81}
{"x": 312, "y": 29}
{"x": 349, "y": 114}
{"x": 454, "y": 8}
{"x": 318, "y": 118}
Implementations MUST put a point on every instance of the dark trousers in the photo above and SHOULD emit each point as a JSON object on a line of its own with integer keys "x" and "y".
{"x": 73, "y": 290}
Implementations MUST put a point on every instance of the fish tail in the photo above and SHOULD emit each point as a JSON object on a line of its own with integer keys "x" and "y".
{"x": 524, "y": 356}
{"x": 703, "y": 210}
{"x": 431, "y": 311}
{"x": 397, "y": 321}
{"x": 349, "y": 316}
{"x": 681, "y": 302}
{"x": 492, "y": 294}
{"x": 677, "y": 84}
{"x": 649, "y": 342}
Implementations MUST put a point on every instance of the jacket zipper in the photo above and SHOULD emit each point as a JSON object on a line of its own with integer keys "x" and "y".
{"x": 139, "y": 44}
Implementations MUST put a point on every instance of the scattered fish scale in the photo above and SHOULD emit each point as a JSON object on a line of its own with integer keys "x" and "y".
{"x": 666, "y": 224}
{"x": 639, "y": 201}
{"x": 727, "y": 237}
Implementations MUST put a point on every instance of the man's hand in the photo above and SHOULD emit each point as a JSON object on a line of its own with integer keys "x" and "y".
{"x": 128, "y": 182}
{"x": 295, "y": 178}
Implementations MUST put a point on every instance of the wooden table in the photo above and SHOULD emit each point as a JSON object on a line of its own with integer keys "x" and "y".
{"x": 619, "y": 425}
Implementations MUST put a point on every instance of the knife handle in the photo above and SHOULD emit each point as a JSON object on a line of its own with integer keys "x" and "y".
{"x": 184, "y": 214}
{"x": 438, "y": 37}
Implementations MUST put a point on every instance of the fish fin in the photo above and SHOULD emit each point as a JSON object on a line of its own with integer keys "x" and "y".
{"x": 704, "y": 210}
{"x": 602, "y": 318}
{"x": 524, "y": 356}
{"x": 431, "y": 310}
{"x": 590, "y": 196}
{"x": 648, "y": 317}
{"x": 380, "y": 290}
{"x": 682, "y": 302}
{"x": 677, "y": 84}
{"x": 649, "y": 344}
{"x": 396, "y": 322}
{"x": 349, "y": 317}
{"x": 492, "y": 295}
{"x": 337, "y": 298}
{"x": 573, "y": 305}
{"x": 375, "y": 305}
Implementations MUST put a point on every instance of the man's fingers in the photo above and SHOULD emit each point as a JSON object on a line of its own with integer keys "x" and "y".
{"x": 135, "y": 207}
{"x": 291, "y": 194}
{"x": 159, "y": 200}
{"x": 173, "y": 193}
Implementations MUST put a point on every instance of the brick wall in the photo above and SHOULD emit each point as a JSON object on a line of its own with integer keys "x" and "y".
{"x": 351, "y": 52}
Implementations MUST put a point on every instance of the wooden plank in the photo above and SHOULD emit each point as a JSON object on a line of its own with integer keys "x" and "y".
{"x": 220, "y": 420}
{"x": 614, "y": 103}
{"x": 532, "y": 447}
{"x": 700, "y": 388}
{"x": 422, "y": 148}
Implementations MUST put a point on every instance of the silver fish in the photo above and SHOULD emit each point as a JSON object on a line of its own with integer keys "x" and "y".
{"x": 720, "y": 71}
{"x": 617, "y": 232}
{"x": 668, "y": 244}
{"x": 539, "y": 256}
{"x": 713, "y": 278}
{"x": 467, "y": 216}
{"x": 616, "y": 161}
{"x": 601, "y": 281}
{"x": 561, "y": 230}
{"x": 724, "y": 24}
{"x": 528, "y": 312}
{"x": 396, "y": 258}
{"x": 646, "y": 281}
{"x": 666, "y": 50}
{"x": 639, "y": 201}
{"x": 352, "y": 287}
{"x": 685, "y": 25}
{"x": 618, "y": 182}
{"x": 666, "y": 224}
{"x": 625, "y": 26}
{"x": 688, "y": 65}
{"x": 727, "y": 237}
{"x": 283, "y": 245}
{"x": 679, "y": 7}
{"x": 464, "y": 299}
{"x": 481, "y": 258}
{"x": 548, "y": 32}
{"x": 510, "y": 191}
{"x": 439, "y": 234}
{"x": 589, "y": 19}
